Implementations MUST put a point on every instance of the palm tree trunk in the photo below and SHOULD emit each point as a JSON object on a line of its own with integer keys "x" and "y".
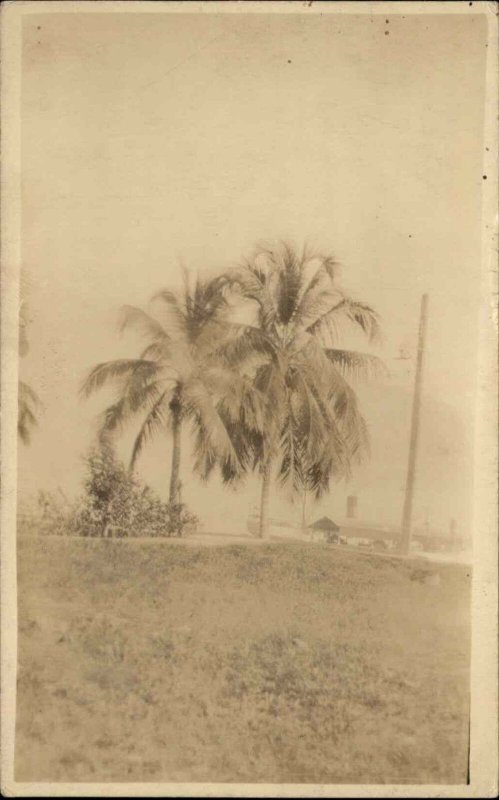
{"x": 304, "y": 515}
{"x": 175, "y": 472}
{"x": 264, "y": 502}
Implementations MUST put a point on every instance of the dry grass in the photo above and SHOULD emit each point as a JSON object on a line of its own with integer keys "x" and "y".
{"x": 283, "y": 663}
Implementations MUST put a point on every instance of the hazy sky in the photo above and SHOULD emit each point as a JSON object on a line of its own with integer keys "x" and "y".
{"x": 153, "y": 138}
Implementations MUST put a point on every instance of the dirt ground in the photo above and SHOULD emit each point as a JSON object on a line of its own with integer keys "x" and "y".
{"x": 277, "y": 663}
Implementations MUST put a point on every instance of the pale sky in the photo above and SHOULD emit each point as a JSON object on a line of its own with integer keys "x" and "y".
{"x": 150, "y": 139}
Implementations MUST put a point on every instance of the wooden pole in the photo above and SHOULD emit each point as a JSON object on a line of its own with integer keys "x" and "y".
{"x": 414, "y": 440}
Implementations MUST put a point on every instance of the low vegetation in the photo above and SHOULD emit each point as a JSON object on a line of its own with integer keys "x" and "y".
{"x": 114, "y": 503}
{"x": 148, "y": 661}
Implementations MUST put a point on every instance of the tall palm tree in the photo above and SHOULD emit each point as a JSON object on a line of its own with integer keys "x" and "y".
{"x": 291, "y": 349}
{"x": 176, "y": 378}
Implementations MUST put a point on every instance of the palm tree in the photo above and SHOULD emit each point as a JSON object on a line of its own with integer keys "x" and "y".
{"x": 176, "y": 378}
{"x": 28, "y": 403}
{"x": 312, "y": 429}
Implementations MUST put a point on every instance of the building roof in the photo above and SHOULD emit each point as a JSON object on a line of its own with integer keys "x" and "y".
{"x": 324, "y": 524}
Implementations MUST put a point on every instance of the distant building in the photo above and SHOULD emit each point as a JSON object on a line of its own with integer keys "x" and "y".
{"x": 363, "y": 533}
{"x": 360, "y": 533}
{"x": 324, "y": 530}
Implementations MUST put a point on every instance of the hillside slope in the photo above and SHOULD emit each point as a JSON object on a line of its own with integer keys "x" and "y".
{"x": 282, "y": 663}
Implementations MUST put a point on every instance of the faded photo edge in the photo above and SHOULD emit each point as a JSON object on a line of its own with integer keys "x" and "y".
{"x": 483, "y": 719}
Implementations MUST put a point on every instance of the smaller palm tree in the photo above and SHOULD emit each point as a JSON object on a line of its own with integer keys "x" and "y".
{"x": 28, "y": 405}
{"x": 177, "y": 379}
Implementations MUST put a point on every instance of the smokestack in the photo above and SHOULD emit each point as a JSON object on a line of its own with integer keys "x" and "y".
{"x": 351, "y": 507}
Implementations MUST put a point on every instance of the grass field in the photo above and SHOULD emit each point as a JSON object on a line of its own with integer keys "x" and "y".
{"x": 279, "y": 663}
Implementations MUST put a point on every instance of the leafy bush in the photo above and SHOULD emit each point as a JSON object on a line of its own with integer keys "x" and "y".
{"x": 180, "y": 519}
{"x": 115, "y": 502}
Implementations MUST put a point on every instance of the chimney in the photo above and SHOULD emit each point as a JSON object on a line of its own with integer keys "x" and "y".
{"x": 351, "y": 507}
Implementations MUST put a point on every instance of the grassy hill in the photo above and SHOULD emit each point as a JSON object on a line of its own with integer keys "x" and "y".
{"x": 276, "y": 663}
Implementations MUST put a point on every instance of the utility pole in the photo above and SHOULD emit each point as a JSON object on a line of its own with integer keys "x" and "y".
{"x": 414, "y": 441}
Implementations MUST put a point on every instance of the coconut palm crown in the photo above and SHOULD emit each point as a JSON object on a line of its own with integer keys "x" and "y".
{"x": 290, "y": 346}
{"x": 177, "y": 378}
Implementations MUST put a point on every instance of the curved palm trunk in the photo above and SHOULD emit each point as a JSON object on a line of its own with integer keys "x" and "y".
{"x": 175, "y": 472}
{"x": 264, "y": 502}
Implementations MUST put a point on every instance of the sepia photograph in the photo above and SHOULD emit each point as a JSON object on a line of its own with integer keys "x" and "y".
{"x": 250, "y": 301}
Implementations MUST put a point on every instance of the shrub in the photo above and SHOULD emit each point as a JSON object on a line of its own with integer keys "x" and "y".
{"x": 115, "y": 502}
{"x": 180, "y": 519}
{"x": 109, "y": 496}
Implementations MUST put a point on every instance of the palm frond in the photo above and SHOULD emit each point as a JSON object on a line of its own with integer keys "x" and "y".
{"x": 245, "y": 441}
{"x": 115, "y": 372}
{"x": 351, "y": 423}
{"x": 175, "y": 313}
{"x": 290, "y": 470}
{"x": 207, "y": 299}
{"x": 27, "y": 394}
{"x": 154, "y": 351}
{"x": 28, "y": 404}
{"x": 113, "y": 418}
{"x": 238, "y": 401}
{"x": 340, "y": 433}
{"x": 316, "y": 295}
{"x": 242, "y": 346}
{"x": 313, "y": 412}
{"x": 286, "y": 269}
{"x": 156, "y": 420}
{"x": 364, "y": 317}
{"x": 200, "y": 406}
{"x": 205, "y": 456}
{"x": 326, "y": 325}
{"x": 357, "y": 366}
{"x": 151, "y": 328}
{"x": 329, "y": 265}
{"x": 253, "y": 284}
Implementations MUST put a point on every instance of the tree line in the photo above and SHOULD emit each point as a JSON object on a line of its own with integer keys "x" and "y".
{"x": 252, "y": 362}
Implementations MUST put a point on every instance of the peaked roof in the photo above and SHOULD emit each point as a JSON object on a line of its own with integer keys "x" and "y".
{"x": 325, "y": 524}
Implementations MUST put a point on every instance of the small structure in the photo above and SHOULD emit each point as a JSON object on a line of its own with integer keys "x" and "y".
{"x": 324, "y": 530}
